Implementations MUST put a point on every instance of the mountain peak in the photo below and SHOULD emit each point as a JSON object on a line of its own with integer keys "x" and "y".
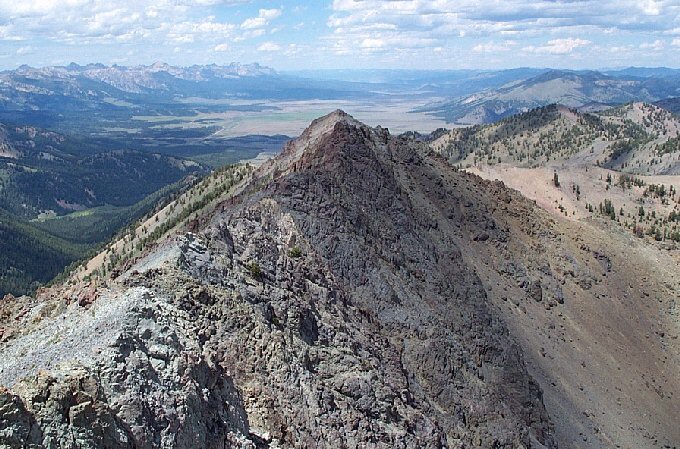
{"x": 159, "y": 65}
{"x": 315, "y": 142}
{"x": 333, "y": 117}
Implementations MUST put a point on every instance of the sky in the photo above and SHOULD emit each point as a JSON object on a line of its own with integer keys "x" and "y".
{"x": 343, "y": 34}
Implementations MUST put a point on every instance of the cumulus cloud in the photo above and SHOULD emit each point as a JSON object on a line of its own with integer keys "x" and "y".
{"x": 292, "y": 50}
{"x": 270, "y": 14}
{"x": 372, "y": 43}
{"x": 86, "y": 21}
{"x": 253, "y": 22}
{"x": 494, "y": 47}
{"x": 558, "y": 46}
{"x": 269, "y": 47}
{"x": 650, "y": 7}
{"x": 7, "y": 33}
{"x": 370, "y": 32}
{"x": 263, "y": 19}
{"x": 657, "y": 45}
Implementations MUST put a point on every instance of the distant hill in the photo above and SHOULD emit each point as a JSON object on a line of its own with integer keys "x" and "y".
{"x": 620, "y": 165}
{"x": 570, "y": 88}
{"x": 645, "y": 72}
{"x": 637, "y": 138}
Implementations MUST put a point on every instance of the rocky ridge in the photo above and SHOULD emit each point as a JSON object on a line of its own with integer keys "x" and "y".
{"x": 344, "y": 296}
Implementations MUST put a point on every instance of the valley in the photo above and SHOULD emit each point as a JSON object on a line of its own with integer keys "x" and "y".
{"x": 292, "y": 117}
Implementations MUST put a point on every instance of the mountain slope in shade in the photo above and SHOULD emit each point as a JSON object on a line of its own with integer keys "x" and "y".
{"x": 355, "y": 291}
{"x": 60, "y": 196}
{"x": 45, "y": 171}
{"x": 670, "y": 104}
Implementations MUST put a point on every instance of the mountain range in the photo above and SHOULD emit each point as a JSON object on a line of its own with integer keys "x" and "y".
{"x": 590, "y": 90}
{"x": 145, "y": 89}
{"x": 509, "y": 284}
{"x": 91, "y": 141}
{"x": 55, "y": 97}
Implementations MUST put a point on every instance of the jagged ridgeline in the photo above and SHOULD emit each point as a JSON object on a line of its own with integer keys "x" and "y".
{"x": 356, "y": 291}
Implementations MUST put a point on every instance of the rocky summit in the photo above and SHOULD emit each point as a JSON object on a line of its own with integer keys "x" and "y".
{"x": 356, "y": 291}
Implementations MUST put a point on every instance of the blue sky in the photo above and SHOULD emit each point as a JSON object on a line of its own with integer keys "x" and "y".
{"x": 293, "y": 34}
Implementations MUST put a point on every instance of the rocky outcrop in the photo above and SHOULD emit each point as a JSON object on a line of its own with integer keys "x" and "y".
{"x": 141, "y": 381}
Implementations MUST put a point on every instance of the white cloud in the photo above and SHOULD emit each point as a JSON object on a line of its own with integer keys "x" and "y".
{"x": 558, "y": 46}
{"x": 249, "y": 34}
{"x": 7, "y": 33}
{"x": 292, "y": 50}
{"x": 493, "y": 47}
{"x": 657, "y": 45}
{"x": 89, "y": 21}
{"x": 270, "y": 14}
{"x": 255, "y": 22}
{"x": 372, "y": 43}
{"x": 262, "y": 20}
{"x": 650, "y": 7}
{"x": 222, "y": 47}
{"x": 269, "y": 47}
{"x": 366, "y": 32}
{"x": 37, "y": 7}
{"x": 445, "y": 21}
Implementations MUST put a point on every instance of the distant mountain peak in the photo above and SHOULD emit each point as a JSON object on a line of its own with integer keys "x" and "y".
{"x": 159, "y": 65}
